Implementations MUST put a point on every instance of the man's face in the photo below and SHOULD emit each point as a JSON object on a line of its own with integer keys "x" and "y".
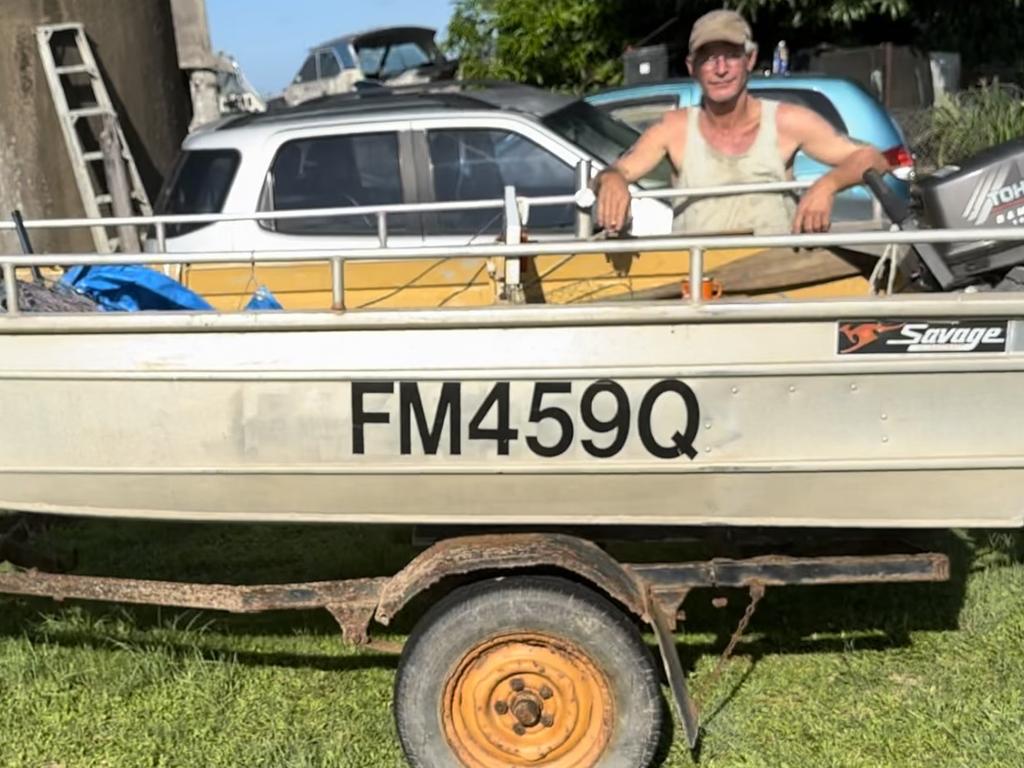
{"x": 721, "y": 69}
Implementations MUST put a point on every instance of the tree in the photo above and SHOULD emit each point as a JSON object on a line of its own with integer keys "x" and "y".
{"x": 578, "y": 44}
{"x": 570, "y": 44}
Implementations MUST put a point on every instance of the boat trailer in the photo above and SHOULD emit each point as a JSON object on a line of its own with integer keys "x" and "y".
{"x": 654, "y": 593}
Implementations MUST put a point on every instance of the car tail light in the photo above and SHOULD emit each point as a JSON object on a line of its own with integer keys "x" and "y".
{"x": 900, "y": 161}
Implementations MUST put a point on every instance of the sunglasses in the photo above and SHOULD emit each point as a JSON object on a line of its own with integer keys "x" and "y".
{"x": 708, "y": 61}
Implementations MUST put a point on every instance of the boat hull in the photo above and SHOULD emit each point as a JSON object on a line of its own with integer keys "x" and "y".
{"x": 730, "y": 414}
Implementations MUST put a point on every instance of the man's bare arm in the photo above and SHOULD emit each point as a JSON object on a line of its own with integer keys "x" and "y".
{"x": 850, "y": 159}
{"x": 613, "y": 197}
{"x": 648, "y": 150}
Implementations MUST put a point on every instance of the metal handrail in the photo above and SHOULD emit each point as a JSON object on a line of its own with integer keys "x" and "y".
{"x": 696, "y": 245}
{"x": 722, "y": 190}
{"x": 305, "y": 213}
{"x": 555, "y": 248}
{"x": 512, "y": 249}
{"x": 373, "y": 210}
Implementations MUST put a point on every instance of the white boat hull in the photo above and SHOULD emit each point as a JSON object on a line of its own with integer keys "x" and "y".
{"x": 670, "y": 415}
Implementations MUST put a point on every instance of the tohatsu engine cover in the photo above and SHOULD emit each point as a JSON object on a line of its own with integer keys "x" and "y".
{"x": 986, "y": 191}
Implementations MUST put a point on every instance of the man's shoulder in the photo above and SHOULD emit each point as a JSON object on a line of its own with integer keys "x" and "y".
{"x": 795, "y": 115}
{"x": 800, "y": 123}
{"x": 676, "y": 114}
{"x": 675, "y": 119}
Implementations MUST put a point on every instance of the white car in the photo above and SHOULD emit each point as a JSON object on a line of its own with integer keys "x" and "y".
{"x": 391, "y": 55}
{"x": 392, "y": 148}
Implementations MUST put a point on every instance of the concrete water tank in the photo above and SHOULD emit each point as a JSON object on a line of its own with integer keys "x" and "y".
{"x": 134, "y": 44}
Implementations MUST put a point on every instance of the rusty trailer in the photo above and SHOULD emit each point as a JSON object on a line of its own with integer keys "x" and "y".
{"x": 523, "y": 689}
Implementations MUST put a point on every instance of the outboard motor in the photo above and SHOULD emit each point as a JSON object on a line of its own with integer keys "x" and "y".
{"x": 986, "y": 191}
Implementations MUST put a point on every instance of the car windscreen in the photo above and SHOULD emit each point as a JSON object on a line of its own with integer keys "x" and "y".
{"x": 604, "y": 137}
{"x": 385, "y": 61}
{"x": 199, "y": 183}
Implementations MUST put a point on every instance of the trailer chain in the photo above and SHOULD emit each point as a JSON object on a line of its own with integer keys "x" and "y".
{"x": 756, "y": 593}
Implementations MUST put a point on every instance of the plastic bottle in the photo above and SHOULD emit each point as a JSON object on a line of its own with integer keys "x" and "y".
{"x": 780, "y": 59}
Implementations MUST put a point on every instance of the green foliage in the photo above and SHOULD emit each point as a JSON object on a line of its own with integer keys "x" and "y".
{"x": 970, "y": 121}
{"x": 578, "y": 44}
{"x": 815, "y": 12}
{"x": 572, "y": 43}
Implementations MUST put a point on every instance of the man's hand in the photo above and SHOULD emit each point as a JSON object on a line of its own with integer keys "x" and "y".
{"x": 810, "y": 132}
{"x": 613, "y": 197}
{"x": 613, "y": 200}
{"x": 814, "y": 213}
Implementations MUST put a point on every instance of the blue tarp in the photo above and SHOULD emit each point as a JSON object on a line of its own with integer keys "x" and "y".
{"x": 134, "y": 288}
{"x": 263, "y": 299}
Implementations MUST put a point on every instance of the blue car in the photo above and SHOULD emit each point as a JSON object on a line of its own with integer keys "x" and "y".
{"x": 843, "y": 103}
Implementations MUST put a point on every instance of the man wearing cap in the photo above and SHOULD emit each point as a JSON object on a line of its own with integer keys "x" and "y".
{"x": 735, "y": 138}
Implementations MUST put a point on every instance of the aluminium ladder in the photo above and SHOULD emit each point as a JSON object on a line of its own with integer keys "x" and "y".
{"x": 84, "y": 108}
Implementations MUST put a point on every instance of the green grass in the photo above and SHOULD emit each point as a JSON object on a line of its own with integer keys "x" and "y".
{"x": 912, "y": 675}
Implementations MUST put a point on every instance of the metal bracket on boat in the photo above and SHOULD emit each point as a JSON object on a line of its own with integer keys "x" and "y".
{"x": 663, "y": 610}
{"x": 513, "y": 288}
{"x": 666, "y": 586}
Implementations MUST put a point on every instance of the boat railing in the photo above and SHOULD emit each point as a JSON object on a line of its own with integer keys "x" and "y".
{"x": 512, "y": 251}
{"x": 513, "y": 208}
{"x": 582, "y": 199}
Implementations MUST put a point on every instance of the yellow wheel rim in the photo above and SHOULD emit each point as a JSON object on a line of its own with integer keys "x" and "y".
{"x": 527, "y": 699}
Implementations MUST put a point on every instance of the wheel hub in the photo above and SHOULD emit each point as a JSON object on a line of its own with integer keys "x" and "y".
{"x": 527, "y": 709}
{"x": 527, "y": 699}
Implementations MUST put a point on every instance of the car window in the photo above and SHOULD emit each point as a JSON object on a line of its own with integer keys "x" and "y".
{"x": 477, "y": 164}
{"x": 640, "y": 114}
{"x": 199, "y": 183}
{"x": 390, "y": 60}
{"x": 603, "y": 137}
{"x": 308, "y": 72}
{"x": 344, "y": 53}
{"x": 818, "y": 102}
{"x": 328, "y": 64}
{"x": 335, "y": 172}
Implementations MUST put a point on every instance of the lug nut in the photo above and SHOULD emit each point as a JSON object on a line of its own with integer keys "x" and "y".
{"x": 501, "y": 707}
{"x": 547, "y": 720}
{"x": 520, "y": 731}
{"x": 545, "y": 692}
{"x": 517, "y": 684}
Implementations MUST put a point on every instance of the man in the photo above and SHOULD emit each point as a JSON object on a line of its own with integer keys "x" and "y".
{"x": 735, "y": 138}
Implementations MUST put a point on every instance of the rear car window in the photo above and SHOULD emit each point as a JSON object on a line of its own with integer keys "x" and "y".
{"x": 604, "y": 137}
{"x": 328, "y": 64}
{"x": 336, "y": 172}
{"x": 641, "y": 114}
{"x": 805, "y": 98}
{"x": 477, "y": 164}
{"x": 199, "y": 183}
{"x": 308, "y": 72}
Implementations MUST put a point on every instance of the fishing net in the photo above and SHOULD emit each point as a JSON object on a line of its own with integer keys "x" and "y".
{"x": 53, "y": 297}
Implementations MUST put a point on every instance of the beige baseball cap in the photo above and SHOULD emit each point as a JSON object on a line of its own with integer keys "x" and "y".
{"x": 723, "y": 26}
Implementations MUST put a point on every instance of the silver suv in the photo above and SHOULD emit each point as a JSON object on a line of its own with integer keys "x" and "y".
{"x": 393, "y": 147}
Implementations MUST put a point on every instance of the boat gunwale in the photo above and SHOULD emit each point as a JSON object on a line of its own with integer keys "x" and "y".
{"x": 617, "y": 313}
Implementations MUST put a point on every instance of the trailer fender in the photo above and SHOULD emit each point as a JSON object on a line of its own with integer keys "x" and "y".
{"x": 510, "y": 552}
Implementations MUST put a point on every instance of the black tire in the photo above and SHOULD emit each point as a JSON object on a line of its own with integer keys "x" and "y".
{"x": 585, "y": 621}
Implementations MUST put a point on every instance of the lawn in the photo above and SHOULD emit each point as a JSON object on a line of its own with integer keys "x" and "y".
{"x": 911, "y": 675}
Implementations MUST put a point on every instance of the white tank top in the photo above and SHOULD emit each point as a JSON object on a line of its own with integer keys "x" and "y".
{"x": 704, "y": 166}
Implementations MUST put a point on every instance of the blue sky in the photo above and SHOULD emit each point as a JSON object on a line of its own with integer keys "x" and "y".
{"x": 270, "y": 37}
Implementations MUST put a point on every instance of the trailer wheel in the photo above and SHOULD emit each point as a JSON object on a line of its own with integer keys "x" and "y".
{"x": 527, "y": 670}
